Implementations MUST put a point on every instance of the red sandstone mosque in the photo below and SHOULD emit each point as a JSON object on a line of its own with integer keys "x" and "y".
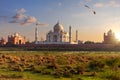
{"x": 16, "y": 39}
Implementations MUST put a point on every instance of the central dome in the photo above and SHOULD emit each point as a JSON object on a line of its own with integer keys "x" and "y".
{"x": 58, "y": 27}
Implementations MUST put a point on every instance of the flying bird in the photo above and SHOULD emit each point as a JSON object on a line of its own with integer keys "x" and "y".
{"x": 90, "y": 9}
{"x": 87, "y": 6}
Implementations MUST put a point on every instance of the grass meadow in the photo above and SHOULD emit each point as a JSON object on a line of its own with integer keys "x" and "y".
{"x": 54, "y": 65}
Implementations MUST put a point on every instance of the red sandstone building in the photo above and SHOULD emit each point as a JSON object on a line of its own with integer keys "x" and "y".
{"x": 2, "y": 41}
{"x": 16, "y": 39}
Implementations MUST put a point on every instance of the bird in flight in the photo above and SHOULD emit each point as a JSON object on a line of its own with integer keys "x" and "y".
{"x": 90, "y": 9}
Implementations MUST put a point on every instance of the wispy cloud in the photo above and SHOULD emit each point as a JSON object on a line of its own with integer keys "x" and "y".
{"x": 111, "y": 3}
{"x": 14, "y": 21}
{"x": 21, "y": 18}
{"x": 83, "y": 2}
{"x": 88, "y": 0}
{"x": 41, "y": 24}
{"x": 99, "y": 5}
{"x": 20, "y": 14}
{"x": 59, "y": 4}
{"x": 114, "y": 4}
{"x": 21, "y": 11}
{"x": 29, "y": 20}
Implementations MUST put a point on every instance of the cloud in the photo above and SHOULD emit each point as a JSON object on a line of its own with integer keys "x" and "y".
{"x": 88, "y": 0}
{"x": 14, "y": 21}
{"x": 21, "y": 11}
{"x": 111, "y": 3}
{"x": 59, "y": 4}
{"x": 29, "y": 20}
{"x": 99, "y": 5}
{"x": 41, "y": 24}
{"x": 23, "y": 19}
{"x": 19, "y": 16}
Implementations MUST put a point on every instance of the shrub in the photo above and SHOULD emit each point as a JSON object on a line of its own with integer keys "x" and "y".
{"x": 61, "y": 61}
{"x": 67, "y": 74}
{"x": 113, "y": 62}
{"x": 46, "y": 72}
{"x": 80, "y": 69}
{"x": 79, "y": 79}
{"x": 58, "y": 73}
{"x": 53, "y": 66}
{"x": 11, "y": 76}
{"x": 94, "y": 74}
{"x": 38, "y": 69}
{"x": 113, "y": 76}
{"x": 97, "y": 65}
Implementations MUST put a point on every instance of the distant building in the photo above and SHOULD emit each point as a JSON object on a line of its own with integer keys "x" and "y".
{"x": 2, "y": 41}
{"x": 80, "y": 42}
{"x": 16, "y": 39}
{"x": 110, "y": 38}
{"x": 58, "y": 35}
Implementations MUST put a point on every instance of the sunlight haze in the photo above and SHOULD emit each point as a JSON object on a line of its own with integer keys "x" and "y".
{"x": 91, "y": 26}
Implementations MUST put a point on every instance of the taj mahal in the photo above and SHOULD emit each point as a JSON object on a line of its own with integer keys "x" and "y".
{"x": 57, "y": 36}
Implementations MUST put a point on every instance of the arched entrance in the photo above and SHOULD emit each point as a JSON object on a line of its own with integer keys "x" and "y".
{"x": 55, "y": 38}
{"x": 20, "y": 42}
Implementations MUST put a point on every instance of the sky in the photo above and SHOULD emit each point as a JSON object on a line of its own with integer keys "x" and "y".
{"x": 21, "y": 15}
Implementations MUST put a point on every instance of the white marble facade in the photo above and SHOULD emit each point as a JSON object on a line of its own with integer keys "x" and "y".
{"x": 58, "y": 35}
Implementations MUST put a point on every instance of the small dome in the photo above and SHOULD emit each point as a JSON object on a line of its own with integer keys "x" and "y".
{"x": 110, "y": 32}
{"x": 58, "y": 27}
{"x": 16, "y": 34}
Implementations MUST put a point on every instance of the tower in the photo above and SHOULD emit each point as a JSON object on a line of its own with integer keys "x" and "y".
{"x": 36, "y": 34}
{"x": 76, "y": 35}
{"x": 70, "y": 36}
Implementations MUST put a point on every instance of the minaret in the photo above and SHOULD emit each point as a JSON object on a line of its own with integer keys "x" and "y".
{"x": 70, "y": 36}
{"x": 76, "y": 35}
{"x": 36, "y": 34}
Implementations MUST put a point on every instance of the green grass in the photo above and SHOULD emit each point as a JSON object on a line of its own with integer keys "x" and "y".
{"x": 43, "y": 65}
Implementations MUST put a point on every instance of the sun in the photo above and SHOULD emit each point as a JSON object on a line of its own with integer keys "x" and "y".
{"x": 117, "y": 35}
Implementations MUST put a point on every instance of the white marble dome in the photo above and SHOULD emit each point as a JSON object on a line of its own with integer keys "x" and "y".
{"x": 58, "y": 27}
{"x": 58, "y": 35}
